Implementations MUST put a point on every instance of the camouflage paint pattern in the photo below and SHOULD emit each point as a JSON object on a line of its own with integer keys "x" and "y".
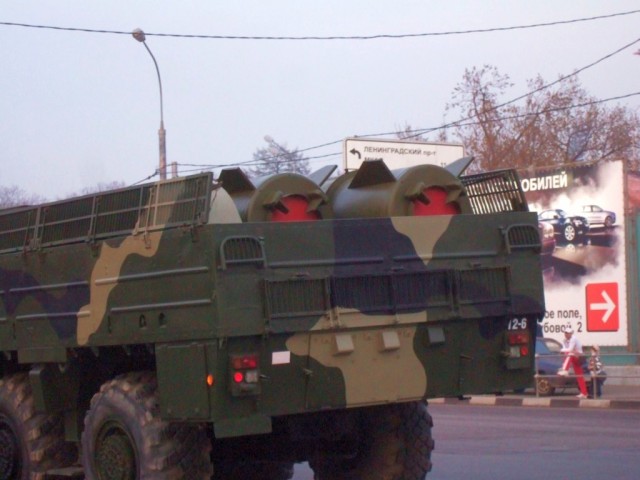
{"x": 342, "y": 313}
{"x": 104, "y": 278}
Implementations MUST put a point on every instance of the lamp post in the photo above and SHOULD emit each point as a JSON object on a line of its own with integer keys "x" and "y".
{"x": 162, "y": 169}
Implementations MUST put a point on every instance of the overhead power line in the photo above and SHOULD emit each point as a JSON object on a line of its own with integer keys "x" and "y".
{"x": 374, "y": 37}
{"x": 418, "y": 132}
{"x": 331, "y": 37}
{"x": 196, "y": 167}
{"x": 422, "y": 131}
{"x": 199, "y": 167}
{"x": 249, "y": 163}
{"x": 549, "y": 110}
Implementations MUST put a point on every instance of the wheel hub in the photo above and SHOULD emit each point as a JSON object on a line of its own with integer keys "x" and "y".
{"x": 10, "y": 463}
{"x": 115, "y": 456}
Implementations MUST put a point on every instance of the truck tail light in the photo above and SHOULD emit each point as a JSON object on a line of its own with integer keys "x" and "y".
{"x": 244, "y": 374}
{"x": 518, "y": 344}
{"x": 244, "y": 362}
{"x": 518, "y": 338}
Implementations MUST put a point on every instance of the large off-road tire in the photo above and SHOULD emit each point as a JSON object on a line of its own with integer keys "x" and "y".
{"x": 395, "y": 444}
{"x": 30, "y": 443}
{"x": 253, "y": 470}
{"x": 124, "y": 438}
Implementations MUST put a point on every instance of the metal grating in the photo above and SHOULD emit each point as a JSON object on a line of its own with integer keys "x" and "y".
{"x": 422, "y": 290}
{"x": 120, "y": 211}
{"x": 297, "y": 297}
{"x": 167, "y": 204}
{"x": 17, "y": 228}
{"x": 366, "y": 293}
{"x": 495, "y": 192}
{"x": 241, "y": 250}
{"x": 523, "y": 236}
{"x": 388, "y": 294}
{"x": 483, "y": 285}
{"x": 397, "y": 292}
{"x": 67, "y": 221}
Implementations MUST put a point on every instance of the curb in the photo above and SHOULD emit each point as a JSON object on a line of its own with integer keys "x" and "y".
{"x": 486, "y": 400}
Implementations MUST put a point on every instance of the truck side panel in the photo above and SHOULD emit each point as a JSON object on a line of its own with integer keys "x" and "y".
{"x": 243, "y": 322}
{"x": 334, "y": 302}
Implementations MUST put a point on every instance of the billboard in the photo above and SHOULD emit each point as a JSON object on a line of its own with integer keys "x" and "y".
{"x": 585, "y": 261}
{"x": 399, "y": 153}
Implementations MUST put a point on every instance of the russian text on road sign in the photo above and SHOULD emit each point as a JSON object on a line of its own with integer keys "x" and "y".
{"x": 399, "y": 153}
{"x": 602, "y": 307}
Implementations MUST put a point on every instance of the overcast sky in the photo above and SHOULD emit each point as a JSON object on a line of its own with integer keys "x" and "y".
{"x": 83, "y": 108}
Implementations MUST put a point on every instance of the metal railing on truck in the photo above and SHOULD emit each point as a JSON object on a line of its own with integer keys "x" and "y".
{"x": 495, "y": 192}
{"x": 155, "y": 206}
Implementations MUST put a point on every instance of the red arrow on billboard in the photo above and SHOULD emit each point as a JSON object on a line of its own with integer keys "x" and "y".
{"x": 602, "y": 307}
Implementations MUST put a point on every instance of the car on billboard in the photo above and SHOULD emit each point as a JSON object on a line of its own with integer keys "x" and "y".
{"x": 547, "y": 238}
{"x": 597, "y": 215}
{"x": 569, "y": 228}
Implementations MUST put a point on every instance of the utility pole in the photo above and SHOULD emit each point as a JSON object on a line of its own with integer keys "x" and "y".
{"x": 162, "y": 168}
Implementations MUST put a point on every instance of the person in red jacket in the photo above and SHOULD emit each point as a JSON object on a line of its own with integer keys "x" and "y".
{"x": 572, "y": 348}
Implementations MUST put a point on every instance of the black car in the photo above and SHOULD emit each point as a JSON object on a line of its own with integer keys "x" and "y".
{"x": 549, "y": 360}
{"x": 569, "y": 228}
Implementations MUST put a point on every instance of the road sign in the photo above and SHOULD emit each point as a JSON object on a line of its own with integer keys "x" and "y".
{"x": 602, "y": 307}
{"x": 399, "y": 153}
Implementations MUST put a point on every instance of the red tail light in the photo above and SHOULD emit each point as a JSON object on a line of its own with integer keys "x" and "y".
{"x": 518, "y": 343}
{"x": 244, "y": 372}
{"x": 244, "y": 362}
{"x": 518, "y": 338}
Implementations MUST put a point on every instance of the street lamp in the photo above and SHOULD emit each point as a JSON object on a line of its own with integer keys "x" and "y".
{"x": 162, "y": 169}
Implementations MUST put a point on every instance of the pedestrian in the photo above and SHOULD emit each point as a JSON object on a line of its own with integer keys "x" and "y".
{"x": 598, "y": 375}
{"x": 572, "y": 348}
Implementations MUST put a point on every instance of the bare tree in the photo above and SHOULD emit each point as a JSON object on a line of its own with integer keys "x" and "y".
{"x": 14, "y": 196}
{"x": 560, "y": 124}
{"x": 409, "y": 133}
{"x": 277, "y": 158}
{"x": 99, "y": 187}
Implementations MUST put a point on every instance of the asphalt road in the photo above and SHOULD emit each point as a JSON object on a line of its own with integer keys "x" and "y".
{"x": 524, "y": 443}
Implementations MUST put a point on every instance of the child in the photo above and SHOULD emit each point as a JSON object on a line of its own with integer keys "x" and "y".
{"x": 598, "y": 375}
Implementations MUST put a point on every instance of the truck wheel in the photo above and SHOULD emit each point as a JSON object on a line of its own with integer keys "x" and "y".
{"x": 124, "y": 439}
{"x": 395, "y": 443}
{"x": 30, "y": 443}
{"x": 254, "y": 471}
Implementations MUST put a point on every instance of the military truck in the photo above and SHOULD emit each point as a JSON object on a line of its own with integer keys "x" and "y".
{"x": 229, "y": 328}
